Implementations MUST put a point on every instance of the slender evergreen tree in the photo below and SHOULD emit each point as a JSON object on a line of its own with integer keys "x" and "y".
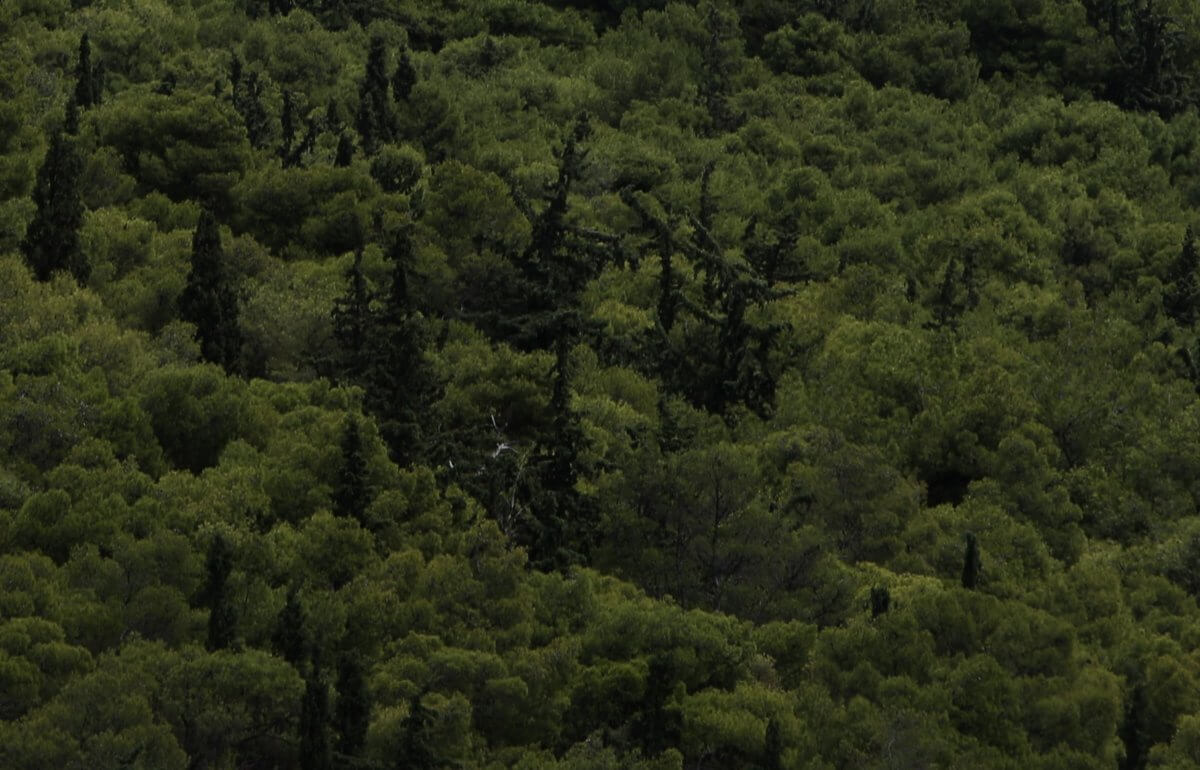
{"x": 344, "y": 155}
{"x": 352, "y": 320}
{"x": 353, "y": 713}
{"x": 416, "y": 750}
{"x": 208, "y": 299}
{"x": 374, "y": 119}
{"x": 404, "y": 77}
{"x": 87, "y": 82}
{"x": 222, "y": 617}
{"x": 1181, "y": 300}
{"x": 314, "y": 722}
{"x": 52, "y": 240}
{"x": 351, "y": 494}
{"x": 971, "y": 564}
{"x": 287, "y": 125}
{"x": 881, "y": 600}
{"x": 772, "y": 756}
{"x": 290, "y": 635}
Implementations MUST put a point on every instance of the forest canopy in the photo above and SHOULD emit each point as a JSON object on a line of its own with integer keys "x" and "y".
{"x": 570, "y": 385}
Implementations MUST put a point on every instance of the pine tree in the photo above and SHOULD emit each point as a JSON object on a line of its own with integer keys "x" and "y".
{"x": 209, "y": 301}
{"x": 290, "y": 636}
{"x": 351, "y": 495}
{"x": 374, "y": 118}
{"x": 1181, "y": 300}
{"x": 52, "y": 241}
{"x": 971, "y": 565}
{"x": 222, "y": 617}
{"x": 353, "y": 713}
{"x": 314, "y": 722}
{"x": 87, "y": 83}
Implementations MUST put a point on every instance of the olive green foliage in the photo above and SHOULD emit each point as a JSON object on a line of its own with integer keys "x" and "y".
{"x": 656, "y": 385}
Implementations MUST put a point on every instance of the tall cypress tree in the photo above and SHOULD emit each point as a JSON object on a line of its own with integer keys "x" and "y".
{"x": 971, "y": 564}
{"x": 222, "y": 617}
{"x": 314, "y": 722}
{"x": 374, "y": 119}
{"x": 351, "y": 495}
{"x": 209, "y": 301}
{"x": 87, "y": 81}
{"x": 416, "y": 747}
{"x": 52, "y": 241}
{"x": 353, "y": 713}
{"x": 772, "y": 756}
{"x": 1181, "y": 300}
{"x": 352, "y": 322}
{"x": 290, "y": 635}
{"x": 404, "y": 77}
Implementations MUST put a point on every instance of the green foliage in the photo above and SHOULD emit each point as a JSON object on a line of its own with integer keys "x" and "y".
{"x": 52, "y": 240}
{"x": 209, "y": 300}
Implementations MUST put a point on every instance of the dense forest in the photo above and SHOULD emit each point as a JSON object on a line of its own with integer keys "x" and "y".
{"x": 591, "y": 385}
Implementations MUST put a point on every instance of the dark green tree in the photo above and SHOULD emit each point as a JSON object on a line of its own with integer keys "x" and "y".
{"x": 374, "y": 120}
{"x": 657, "y": 724}
{"x": 404, "y": 77}
{"x": 881, "y": 600}
{"x": 351, "y": 496}
{"x": 247, "y": 100}
{"x": 772, "y": 756}
{"x": 416, "y": 750}
{"x": 352, "y": 323}
{"x": 215, "y": 594}
{"x": 344, "y": 155}
{"x": 1181, "y": 299}
{"x": 287, "y": 125}
{"x": 971, "y": 564}
{"x": 353, "y": 713}
{"x": 52, "y": 240}
{"x": 398, "y": 381}
{"x": 1133, "y": 730}
{"x": 314, "y": 722}
{"x": 289, "y": 638}
{"x": 87, "y": 82}
{"x": 208, "y": 299}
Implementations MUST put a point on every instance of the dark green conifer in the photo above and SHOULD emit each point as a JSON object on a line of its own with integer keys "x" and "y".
{"x": 374, "y": 119}
{"x": 287, "y": 125}
{"x": 345, "y": 151}
{"x": 52, "y": 240}
{"x": 1133, "y": 730}
{"x": 971, "y": 564}
{"x": 222, "y": 617}
{"x": 352, "y": 322}
{"x": 314, "y": 722}
{"x": 353, "y": 713}
{"x": 772, "y": 756}
{"x": 87, "y": 85}
{"x": 247, "y": 100}
{"x": 404, "y": 77}
{"x": 416, "y": 750}
{"x": 657, "y": 725}
{"x": 1181, "y": 299}
{"x": 208, "y": 299}
{"x": 351, "y": 495}
{"x": 290, "y": 635}
{"x": 881, "y": 600}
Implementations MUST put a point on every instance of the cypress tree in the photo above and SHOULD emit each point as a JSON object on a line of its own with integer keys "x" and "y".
{"x": 345, "y": 151}
{"x": 1181, "y": 300}
{"x": 290, "y": 637}
{"x": 287, "y": 125}
{"x": 881, "y": 600}
{"x": 352, "y": 322}
{"x": 353, "y": 713}
{"x": 970, "y": 573}
{"x": 772, "y": 756}
{"x": 314, "y": 722}
{"x": 416, "y": 749}
{"x": 351, "y": 495}
{"x": 222, "y": 618}
{"x": 208, "y": 300}
{"x": 657, "y": 726}
{"x": 404, "y": 77}
{"x": 52, "y": 241}
{"x": 374, "y": 117}
{"x": 87, "y": 85}
{"x": 1133, "y": 730}
{"x": 247, "y": 100}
